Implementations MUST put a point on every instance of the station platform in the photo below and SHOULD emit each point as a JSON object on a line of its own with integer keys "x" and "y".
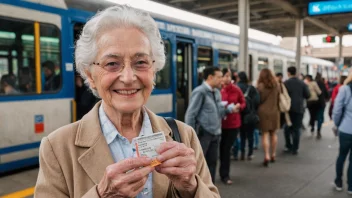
{"x": 308, "y": 175}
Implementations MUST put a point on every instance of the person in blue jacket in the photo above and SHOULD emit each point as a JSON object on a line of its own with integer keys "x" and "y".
{"x": 342, "y": 116}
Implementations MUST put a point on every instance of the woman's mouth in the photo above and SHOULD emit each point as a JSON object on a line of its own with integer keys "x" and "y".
{"x": 130, "y": 92}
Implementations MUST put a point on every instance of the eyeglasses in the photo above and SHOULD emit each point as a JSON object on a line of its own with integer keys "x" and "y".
{"x": 116, "y": 63}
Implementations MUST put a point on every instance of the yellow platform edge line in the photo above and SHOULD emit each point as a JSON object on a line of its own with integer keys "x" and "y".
{"x": 20, "y": 194}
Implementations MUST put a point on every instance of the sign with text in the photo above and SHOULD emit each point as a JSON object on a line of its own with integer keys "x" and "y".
{"x": 39, "y": 123}
{"x": 329, "y": 7}
{"x": 349, "y": 27}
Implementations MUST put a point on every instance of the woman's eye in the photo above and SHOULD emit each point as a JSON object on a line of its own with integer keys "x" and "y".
{"x": 141, "y": 62}
{"x": 113, "y": 64}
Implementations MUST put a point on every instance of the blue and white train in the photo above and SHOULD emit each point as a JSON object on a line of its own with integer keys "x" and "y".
{"x": 35, "y": 31}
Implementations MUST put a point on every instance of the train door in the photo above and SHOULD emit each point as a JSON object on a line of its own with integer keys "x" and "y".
{"x": 184, "y": 53}
{"x": 84, "y": 99}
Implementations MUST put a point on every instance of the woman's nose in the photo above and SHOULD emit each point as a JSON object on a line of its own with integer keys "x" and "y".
{"x": 127, "y": 75}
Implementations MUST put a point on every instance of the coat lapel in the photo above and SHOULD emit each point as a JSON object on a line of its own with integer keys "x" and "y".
{"x": 98, "y": 156}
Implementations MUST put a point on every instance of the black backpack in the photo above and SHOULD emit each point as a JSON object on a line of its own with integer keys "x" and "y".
{"x": 249, "y": 115}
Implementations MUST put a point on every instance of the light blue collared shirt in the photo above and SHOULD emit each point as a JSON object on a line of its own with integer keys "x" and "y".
{"x": 121, "y": 148}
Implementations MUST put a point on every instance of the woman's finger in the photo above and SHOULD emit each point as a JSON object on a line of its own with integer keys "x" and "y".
{"x": 137, "y": 174}
{"x": 177, "y": 150}
{"x": 126, "y": 165}
{"x": 179, "y": 161}
{"x": 166, "y": 146}
{"x": 178, "y": 171}
{"x": 132, "y": 190}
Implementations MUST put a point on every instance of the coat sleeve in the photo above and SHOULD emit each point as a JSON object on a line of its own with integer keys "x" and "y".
{"x": 51, "y": 181}
{"x": 316, "y": 88}
{"x": 306, "y": 93}
{"x": 197, "y": 99}
{"x": 222, "y": 109}
{"x": 205, "y": 187}
{"x": 338, "y": 106}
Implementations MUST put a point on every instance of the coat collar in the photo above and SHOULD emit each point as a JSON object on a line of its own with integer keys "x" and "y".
{"x": 98, "y": 156}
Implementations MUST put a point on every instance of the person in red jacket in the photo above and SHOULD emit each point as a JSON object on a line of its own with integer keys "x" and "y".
{"x": 231, "y": 96}
{"x": 335, "y": 91}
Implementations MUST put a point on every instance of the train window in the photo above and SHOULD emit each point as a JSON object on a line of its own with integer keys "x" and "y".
{"x": 18, "y": 56}
{"x": 205, "y": 59}
{"x": 50, "y": 57}
{"x": 163, "y": 77}
{"x": 17, "y": 71}
{"x": 263, "y": 63}
{"x": 291, "y": 64}
{"x": 228, "y": 60}
{"x": 278, "y": 66}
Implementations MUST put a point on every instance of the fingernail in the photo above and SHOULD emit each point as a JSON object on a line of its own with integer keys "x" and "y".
{"x": 160, "y": 158}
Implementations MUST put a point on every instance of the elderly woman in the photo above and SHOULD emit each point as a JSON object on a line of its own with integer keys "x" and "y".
{"x": 118, "y": 54}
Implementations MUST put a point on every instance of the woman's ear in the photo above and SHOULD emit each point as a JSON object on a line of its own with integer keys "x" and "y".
{"x": 90, "y": 79}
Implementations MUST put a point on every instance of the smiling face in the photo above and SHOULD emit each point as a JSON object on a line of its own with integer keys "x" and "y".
{"x": 127, "y": 90}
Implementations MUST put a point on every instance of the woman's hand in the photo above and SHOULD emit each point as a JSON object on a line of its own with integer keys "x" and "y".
{"x": 125, "y": 178}
{"x": 178, "y": 163}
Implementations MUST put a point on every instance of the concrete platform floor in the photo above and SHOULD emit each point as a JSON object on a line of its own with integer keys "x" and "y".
{"x": 307, "y": 175}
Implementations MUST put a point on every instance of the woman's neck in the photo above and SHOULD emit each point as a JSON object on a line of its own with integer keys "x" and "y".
{"x": 127, "y": 124}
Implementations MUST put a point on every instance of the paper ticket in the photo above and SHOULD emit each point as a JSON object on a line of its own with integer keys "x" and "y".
{"x": 146, "y": 146}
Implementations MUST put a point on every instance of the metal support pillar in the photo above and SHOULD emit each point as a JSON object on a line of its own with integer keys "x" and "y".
{"x": 299, "y": 34}
{"x": 243, "y": 22}
{"x": 340, "y": 61}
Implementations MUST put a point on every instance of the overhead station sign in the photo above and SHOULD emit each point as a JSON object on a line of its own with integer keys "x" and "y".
{"x": 329, "y": 7}
{"x": 349, "y": 27}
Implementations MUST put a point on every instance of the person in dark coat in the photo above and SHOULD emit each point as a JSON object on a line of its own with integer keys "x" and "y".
{"x": 298, "y": 92}
{"x": 323, "y": 97}
{"x": 247, "y": 130}
{"x": 84, "y": 98}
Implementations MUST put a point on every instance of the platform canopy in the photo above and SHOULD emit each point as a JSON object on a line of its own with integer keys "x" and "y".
{"x": 272, "y": 16}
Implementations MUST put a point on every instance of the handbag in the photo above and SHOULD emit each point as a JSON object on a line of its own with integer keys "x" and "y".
{"x": 284, "y": 100}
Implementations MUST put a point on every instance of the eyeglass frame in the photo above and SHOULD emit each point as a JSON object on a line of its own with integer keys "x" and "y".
{"x": 123, "y": 64}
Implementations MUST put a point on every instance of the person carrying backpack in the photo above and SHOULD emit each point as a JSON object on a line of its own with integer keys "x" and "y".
{"x": 342, "y": 116}
{"x": 249, "y": 115}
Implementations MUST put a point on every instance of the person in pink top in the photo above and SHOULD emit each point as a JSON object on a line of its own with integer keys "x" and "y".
{"x": 231, "y": 96}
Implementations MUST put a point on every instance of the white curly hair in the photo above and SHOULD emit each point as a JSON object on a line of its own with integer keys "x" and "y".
{"x": 117, "y": 16}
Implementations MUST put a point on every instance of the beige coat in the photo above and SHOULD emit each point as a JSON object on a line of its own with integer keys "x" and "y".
{"x": 268, "y": 110}
{"x": 314, "y": 91}
{"x": 74, "y": 157}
